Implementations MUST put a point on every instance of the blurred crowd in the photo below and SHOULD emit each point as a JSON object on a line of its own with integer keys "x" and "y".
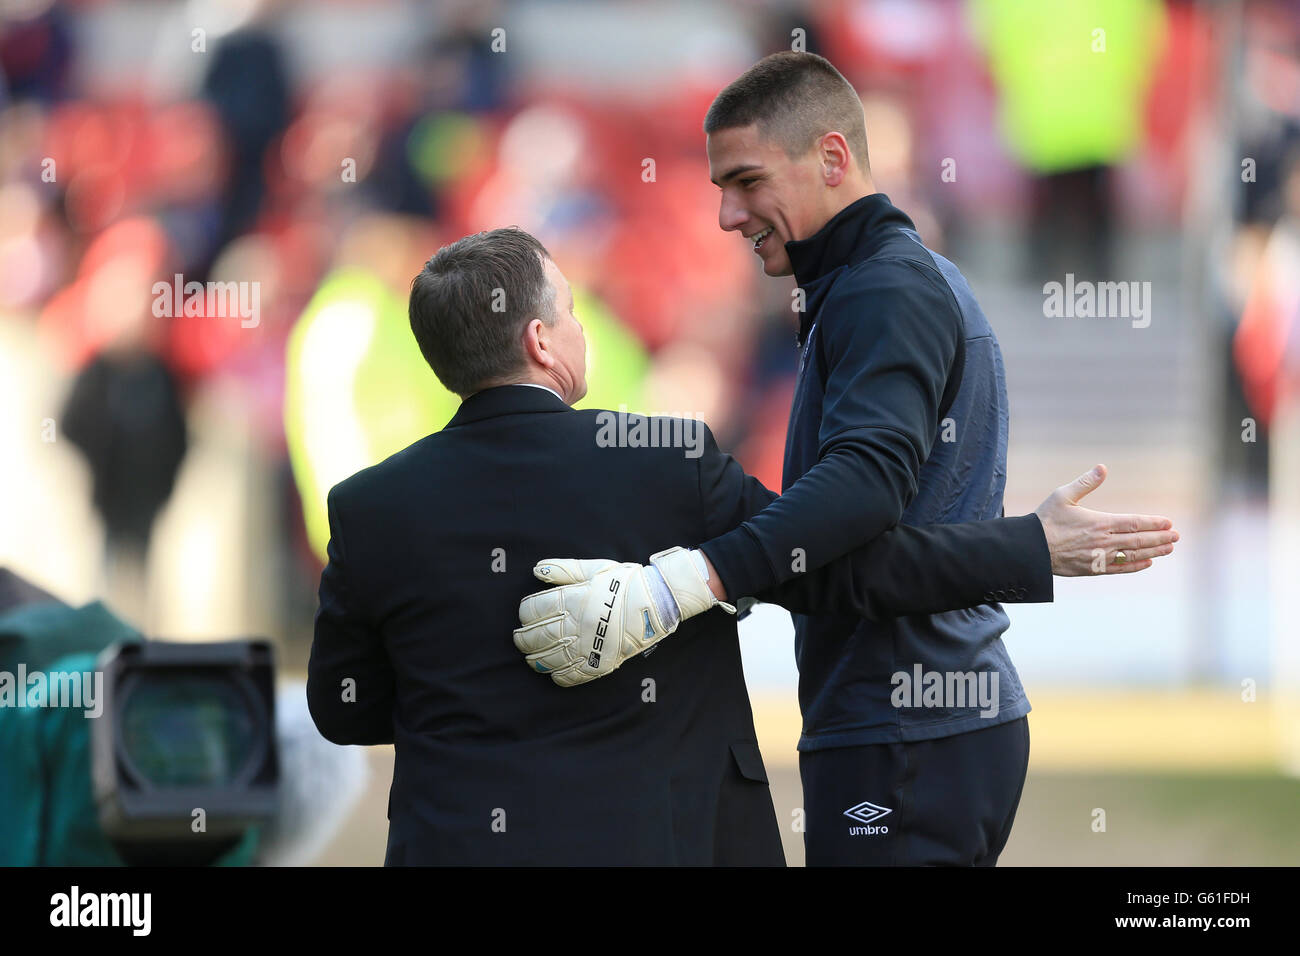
{"x": 228, "y": 160}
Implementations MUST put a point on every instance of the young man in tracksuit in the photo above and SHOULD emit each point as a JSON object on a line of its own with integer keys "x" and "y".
{"x": 915, "y": 741}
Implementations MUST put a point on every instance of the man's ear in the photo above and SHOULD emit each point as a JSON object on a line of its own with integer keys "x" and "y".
{"x": 535, "y": 344}
{"x": 833, "y": 154}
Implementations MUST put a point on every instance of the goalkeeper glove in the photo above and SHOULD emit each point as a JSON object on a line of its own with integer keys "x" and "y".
{"x": 604, "y": 612}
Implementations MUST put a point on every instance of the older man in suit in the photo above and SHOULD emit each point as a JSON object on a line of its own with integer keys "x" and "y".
{"x": 432, "y": 549}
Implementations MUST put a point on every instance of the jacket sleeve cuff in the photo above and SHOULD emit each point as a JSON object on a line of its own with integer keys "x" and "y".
{"x": 740, "y": 562}
{"x": 1028, "y": 560}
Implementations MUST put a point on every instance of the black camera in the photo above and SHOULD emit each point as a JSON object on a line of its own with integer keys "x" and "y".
{"x": 184, "y": 757}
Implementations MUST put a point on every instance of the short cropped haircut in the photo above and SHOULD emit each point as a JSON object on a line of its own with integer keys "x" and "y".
{"x": 795, "y": 98}
{"x": 470, "y": 303}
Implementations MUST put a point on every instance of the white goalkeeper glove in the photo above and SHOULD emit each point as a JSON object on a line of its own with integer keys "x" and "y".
{"x": 604, "y": 612}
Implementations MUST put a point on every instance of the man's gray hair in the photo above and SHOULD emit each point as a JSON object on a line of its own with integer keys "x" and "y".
{"x": 470, "y": 303}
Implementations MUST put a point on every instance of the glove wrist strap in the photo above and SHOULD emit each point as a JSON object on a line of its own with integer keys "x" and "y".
{"x": 687, "y": 583}
{"x": 670, "y": 614}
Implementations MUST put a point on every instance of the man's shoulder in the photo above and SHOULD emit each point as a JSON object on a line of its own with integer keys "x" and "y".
{"x": 604, "y": 417}
{"x": 390, "y": 469}
{"x": 899, "y": 281}
{"x": 655, "y": 438}
{"x": 658, "y": 442}
{"x": 902, "y": 264}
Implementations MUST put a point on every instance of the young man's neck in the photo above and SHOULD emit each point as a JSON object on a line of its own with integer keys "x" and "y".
{"x": 846, "y": 195}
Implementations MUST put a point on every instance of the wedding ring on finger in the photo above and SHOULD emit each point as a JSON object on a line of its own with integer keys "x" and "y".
{"x": 1120, "y": 558}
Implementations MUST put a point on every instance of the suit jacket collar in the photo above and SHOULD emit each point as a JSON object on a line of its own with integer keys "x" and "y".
{"x": 506, "y": 400}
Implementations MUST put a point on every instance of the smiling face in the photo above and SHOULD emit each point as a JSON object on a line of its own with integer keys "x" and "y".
{"x": 768, "y": 197}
